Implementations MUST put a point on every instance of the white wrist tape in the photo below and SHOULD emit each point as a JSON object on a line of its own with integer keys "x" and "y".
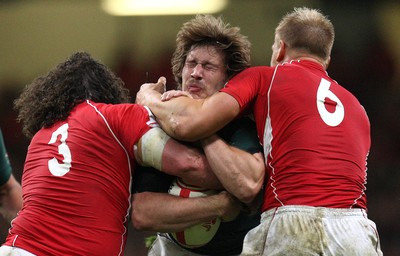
{"x": 153, "y": 144}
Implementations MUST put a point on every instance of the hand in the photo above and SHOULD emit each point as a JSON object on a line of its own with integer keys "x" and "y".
{"x": 233, "y": 207}
{"x": 149, "y": 90}
{"x": 255, "y": 206}
{"x": 160, "y": 86}
{"x": 174, "y": 94}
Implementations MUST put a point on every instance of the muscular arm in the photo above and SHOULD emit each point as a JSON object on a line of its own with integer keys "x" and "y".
{"x": 185, "y": 118}
{"x": 190, "y": 164}
{"x": 10, "y": 199}
{"x": 158, "y": 150}
{"x": 167, "y": 213}
{"x": 241, "y": 173}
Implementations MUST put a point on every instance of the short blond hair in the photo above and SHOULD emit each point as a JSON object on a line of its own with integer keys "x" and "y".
{"x": 307, "y": 30}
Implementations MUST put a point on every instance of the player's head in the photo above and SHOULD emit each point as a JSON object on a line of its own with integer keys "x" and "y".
{"x": 305, "y": 32}
{"x": 219, "y": 50}
{"x": 51, "y": 97}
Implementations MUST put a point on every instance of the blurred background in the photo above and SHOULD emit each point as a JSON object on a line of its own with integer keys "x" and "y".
{"x": 38, "y": 34}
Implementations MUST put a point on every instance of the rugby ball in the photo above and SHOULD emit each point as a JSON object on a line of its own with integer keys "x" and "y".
{"x": 199, "y": 234}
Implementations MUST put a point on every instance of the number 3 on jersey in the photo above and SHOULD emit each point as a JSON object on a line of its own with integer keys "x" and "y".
{"x": 336, "y": 117}
{"x": 55, "y": 167}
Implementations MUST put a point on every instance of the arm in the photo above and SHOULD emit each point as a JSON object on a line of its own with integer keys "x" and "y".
{"x": 190, "y": 164}
{"x": 167, "y": 213}
{"x": 10, "y": 199}
{"x": 241, "y": 173}
{"x": 158, "y": 150}
{"x": 185, "y": 118}
{"x": 10, "y": 189}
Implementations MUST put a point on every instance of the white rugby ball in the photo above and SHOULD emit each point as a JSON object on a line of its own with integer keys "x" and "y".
{"x": 199, "y": 234}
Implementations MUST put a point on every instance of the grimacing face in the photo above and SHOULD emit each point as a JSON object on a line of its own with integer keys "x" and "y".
{"x": 204, "y": 72}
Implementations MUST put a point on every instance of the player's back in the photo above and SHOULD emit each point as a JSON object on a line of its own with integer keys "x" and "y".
{"x": 318, "y": 140}
{"x": 76, "y": 185}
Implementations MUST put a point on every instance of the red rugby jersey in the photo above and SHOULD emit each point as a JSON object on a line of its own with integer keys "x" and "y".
{"x": 315, "y": 134}
{"x": 76, "y": 182}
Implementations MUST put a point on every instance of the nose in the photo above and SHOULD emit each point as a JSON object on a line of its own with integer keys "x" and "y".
{"x": 197, "y": 71}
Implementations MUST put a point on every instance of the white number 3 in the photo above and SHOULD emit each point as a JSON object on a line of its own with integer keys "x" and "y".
{"x": 55, "y": 167}
{"x": 336, "y": 117}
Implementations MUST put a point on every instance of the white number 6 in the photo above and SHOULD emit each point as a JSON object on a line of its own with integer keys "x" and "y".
{"x": 55, "y": 167}
{"x": 331, "y": 119}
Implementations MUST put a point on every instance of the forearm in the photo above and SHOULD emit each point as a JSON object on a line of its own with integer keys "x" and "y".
{"x": 158, "y": 150}
{"x": 178, "y": 117}
{"x": 241, "y": 173}
{"x": 167, "y": 213}
{"x": 190, "y": 119}
{"x": 10, "y": 199}
{"x": 190, "y": 164}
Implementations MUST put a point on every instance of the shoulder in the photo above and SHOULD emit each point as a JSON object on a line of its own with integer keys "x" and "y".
{"x": 121, "y": 119}
{"x": 252, "y": 76}
{"x": 116, "y": 111}
{"x": 257, "y": 70}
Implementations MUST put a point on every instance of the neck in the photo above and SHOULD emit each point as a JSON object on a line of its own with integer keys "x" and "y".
{"x": 313, "y": 59}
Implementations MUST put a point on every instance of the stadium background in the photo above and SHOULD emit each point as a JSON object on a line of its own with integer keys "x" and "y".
{"x": 38, "y": 34}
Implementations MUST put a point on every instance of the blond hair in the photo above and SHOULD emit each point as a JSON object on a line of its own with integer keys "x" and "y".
{"x": 307, "y": 30}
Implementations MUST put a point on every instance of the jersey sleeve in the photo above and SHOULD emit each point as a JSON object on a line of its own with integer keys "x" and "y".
{"x": 5, "y": 166}
{"x": 244, "y": 87}
{"x": 135, "y": 121}
{"x": 129, "y": 122}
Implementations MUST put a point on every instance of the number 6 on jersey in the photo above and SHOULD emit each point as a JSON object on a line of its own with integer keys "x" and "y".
{"x": 331, "y": 119}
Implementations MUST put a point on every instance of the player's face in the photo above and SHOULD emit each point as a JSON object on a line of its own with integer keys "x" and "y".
{"x": 204, "y": 72}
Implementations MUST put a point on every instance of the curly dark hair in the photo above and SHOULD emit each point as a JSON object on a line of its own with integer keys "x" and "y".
{"x": 51, "y": 97}
{"x": 205, "y": 29}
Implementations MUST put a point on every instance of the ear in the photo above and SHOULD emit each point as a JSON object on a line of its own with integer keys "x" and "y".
{"x": 327, "y": 62}
{"x": 281, "y": 51}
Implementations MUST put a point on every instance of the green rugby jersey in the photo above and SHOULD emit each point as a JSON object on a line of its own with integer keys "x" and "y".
{"x": 5, "y": 166}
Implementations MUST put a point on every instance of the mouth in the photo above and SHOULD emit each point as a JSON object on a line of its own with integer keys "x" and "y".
{"x": 193, "y": 88}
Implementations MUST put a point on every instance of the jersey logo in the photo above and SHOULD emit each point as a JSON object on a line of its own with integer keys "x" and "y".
{"x": 327, "y": 99}
{"x": 208, "y": 225}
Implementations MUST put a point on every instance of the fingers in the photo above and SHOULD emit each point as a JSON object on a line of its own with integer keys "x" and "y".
{"x": 174, "y": 94}
{"x": 233, "y": 208}
{"x": 160, "y": 86}
{"x": 167, "y": 95}
{"x": 163, "y": 81}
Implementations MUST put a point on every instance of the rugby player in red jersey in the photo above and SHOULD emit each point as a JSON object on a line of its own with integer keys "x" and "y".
{"x": 77, "y": 176}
